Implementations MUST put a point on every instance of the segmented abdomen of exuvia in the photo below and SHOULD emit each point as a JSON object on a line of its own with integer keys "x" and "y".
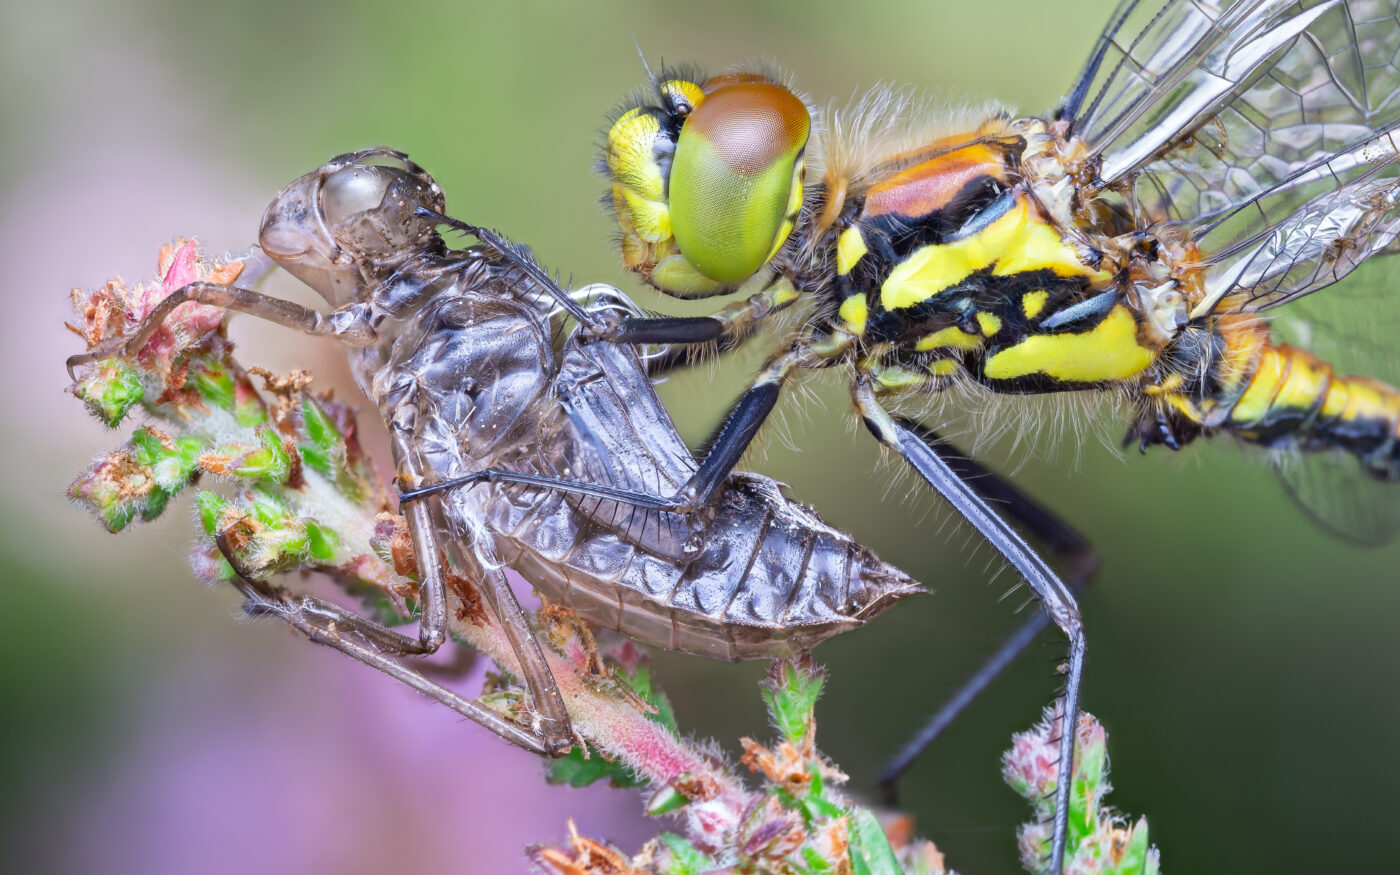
{"x": 762, "y": 576}
{"x": 1281, "y": 396}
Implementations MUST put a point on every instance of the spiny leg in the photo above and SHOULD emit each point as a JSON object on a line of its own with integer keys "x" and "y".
{"x": 1080, "y": 562}
{"x": 329, "y": 624}
{"x": 350, "y": 325}
{"x": 740, "y": 427}
{"x": 551, "y": 717}
{"x": 1055, "y": 598}
{"x": 345, "y": 324}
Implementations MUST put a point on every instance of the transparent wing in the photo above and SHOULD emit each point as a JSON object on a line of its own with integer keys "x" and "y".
{"x": 1354, "y": 329}
{"x": 1336, "y": 494}
{"x": 1306, "y": 231}
{"x": 1201, "y": 107}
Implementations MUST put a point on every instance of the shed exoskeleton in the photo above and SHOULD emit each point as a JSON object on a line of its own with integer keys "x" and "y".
{"x": 457, "y": 350}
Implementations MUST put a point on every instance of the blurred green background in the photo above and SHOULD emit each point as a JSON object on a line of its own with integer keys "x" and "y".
{"x": 1244, "y": 663}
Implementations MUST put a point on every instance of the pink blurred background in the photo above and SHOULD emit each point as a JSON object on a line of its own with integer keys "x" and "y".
{"x": 1243, "y": 662}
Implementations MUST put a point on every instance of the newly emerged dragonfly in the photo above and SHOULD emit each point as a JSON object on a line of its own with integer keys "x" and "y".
{"x": 1212, "y": 162}
{"x": 457, "y": 349}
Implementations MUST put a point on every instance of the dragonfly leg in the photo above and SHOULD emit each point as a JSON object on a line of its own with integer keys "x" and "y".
{"x": 333, "y": 626}
{"x": 551, "y": 717}
{"x": 1080, "y": 564}
{"x": 740, "y": 427}
{"x": 346, "y": 324}
{"x": 701, "y": 337}
{"x": 1055, "y": 598}
{"x": 697, "y": 338}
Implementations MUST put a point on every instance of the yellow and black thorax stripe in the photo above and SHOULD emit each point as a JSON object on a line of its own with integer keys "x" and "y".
{"x": 949, "y": 265}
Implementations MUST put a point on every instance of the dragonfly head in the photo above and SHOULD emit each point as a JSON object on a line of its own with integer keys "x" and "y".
{"x": 351, "y": 222}
{"x": 707, "y": 180}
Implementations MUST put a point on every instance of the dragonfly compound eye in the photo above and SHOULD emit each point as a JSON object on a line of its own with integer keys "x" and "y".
{"x": 370, "y": 209}
{"x": 356, "y": 211}
{"x": 736, "y": 178}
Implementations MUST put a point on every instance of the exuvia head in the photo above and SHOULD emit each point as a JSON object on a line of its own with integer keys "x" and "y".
{"x": 352, "y": 221}
{"x": 707, "y": 181}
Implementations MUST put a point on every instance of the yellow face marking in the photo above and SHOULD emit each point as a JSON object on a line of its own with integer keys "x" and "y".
{"x": 850, "y": 249}
{"x": 951, "y": 337}
{"x": 679, "y": 277}
{"x": 690, "y": 92}
{"x": 1033, "y": 302}
{"x": 1108, "y": 351}
{"x": 854, "y": 313}
{"x": 629, "y": 157}
{"x": 989, "y": 323}
{"x": 1018, "y": 241}
{"x": 650, "y": 220}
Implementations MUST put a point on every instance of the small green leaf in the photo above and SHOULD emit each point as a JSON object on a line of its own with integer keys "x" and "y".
{"x": 321, "y": 541}
{"x": 816, "y": 863}
{"x": 271, "y": 462}
{"x": 111, "y": 391}
{"x": 1134, "y": 860}
{"x": 791, "y": 692}
{"x": 665, "y": 801}
{"x": 576, "y": 771}
{"x": 211, "y": 506}
{"x": 641, "y": 683}
{"x": 871, "y": 853}
{"x": 683, "y": 858}
{"x": 213, "y": 384}
{"x": 324, "y": 447}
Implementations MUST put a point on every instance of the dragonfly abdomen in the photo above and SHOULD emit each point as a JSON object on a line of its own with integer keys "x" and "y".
{"x": 1295, "y": 399}
{"x": 1283, "y": 397}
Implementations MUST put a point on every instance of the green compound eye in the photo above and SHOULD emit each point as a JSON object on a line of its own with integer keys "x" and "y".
{"x": 736, "y": 178}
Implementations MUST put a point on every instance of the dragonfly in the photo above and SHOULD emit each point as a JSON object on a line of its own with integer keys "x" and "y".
{"x": 1212, "y": 163}
{"x": 458, "y": 351}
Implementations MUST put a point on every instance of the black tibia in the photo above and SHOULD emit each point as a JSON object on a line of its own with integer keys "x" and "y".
{"x": 1080, "y": 563}
{"x": 677, "y": 356}
{"x": 1055, "y": 598}
{"x": 669, "y": 329}
{"x": 331, "y": 625}
{"x": 1156, "y": 427}
{"x": 734, "y": 437}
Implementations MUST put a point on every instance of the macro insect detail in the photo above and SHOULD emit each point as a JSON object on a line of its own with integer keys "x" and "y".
{"x": 1211, "y": 163}
{"x": 457, "y": 350}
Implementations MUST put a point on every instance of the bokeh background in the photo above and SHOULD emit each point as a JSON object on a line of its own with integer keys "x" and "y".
{"x": 1245, "y": 664}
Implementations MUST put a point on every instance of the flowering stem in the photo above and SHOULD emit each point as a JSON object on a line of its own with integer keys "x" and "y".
{"x": 301, "y": 496}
